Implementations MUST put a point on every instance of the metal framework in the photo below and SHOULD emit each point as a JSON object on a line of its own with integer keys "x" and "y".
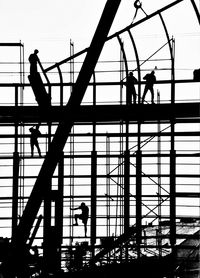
{"x": 135, "y": 166}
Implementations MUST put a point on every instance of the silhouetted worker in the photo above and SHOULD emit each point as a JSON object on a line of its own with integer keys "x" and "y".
{"x": 130, "y": 88}
{"x": 35, "y": 133}
{"x": 33, "y": 59}
{"x": 41, "y": 95}
{"x": 150, "y": 80}
{"x": 196, "y": 75}
{"x": 83, "y": 216}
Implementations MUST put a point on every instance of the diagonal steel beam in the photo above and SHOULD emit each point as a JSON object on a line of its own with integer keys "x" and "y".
{"x": 56, "y": 147}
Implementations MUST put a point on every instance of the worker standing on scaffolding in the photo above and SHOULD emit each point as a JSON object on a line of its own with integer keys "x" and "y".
{"x": 41, "y": 95}
{"x": 130, "y": 89}
{"x": 83, "y": 216}
{"x": 33, "y": 59}
{"x": 35, "y": 133}
{"x": 150, "y": 80}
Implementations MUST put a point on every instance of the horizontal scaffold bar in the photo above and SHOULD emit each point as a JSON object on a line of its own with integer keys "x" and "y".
{"x": 102, "y": 113}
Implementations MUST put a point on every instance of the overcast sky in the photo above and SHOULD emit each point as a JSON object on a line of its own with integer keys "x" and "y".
{"x": 49, "y": 25}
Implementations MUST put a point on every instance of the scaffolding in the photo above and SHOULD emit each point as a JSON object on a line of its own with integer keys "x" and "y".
{"x": 135, "y": 166}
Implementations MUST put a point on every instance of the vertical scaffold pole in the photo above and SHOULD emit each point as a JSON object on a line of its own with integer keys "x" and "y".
{"x": 15, "y": 176}
{"x": 126, "y": 195}
{"x": 138, "y": 191}
{"x": 53, "y": 223}
{"x": 172, "y": 161}
{"x": 93, "y": 174}
{"x": 127, "y": 182}
{"x": 93, "y": 196}
{"x": 108, "y": 191}
{"x": 71, "y": 142}
{"x": 59, "y": 208}
{"x": 159, "y": 241}
{"x": 47, "y": 229}
{"x": 15, "y": 193}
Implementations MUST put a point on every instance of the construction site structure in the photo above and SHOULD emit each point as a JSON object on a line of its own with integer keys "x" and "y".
{"x": 136, "y": 166}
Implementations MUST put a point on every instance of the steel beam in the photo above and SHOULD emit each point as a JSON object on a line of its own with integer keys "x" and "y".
{"x": 89, "y": 114}
{"x": 93, "y": 196}
{"x": 15, "y": 193}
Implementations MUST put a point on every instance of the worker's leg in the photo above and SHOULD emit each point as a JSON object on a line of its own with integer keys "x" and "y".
{"x": 85, "y": 227}
{"x": 76, "y": 216}
{"x": 152, "y": 95}
{"x": 38, "y": 148}
{"x": 32, "y": 148}
{"x": 144, "y": 94}
{"x": 129, "y": 97}
{"x": 134, "y": 97}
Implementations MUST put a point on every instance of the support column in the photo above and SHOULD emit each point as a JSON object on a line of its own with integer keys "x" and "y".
{"x": 172, "y": 198}
{"x": 93, "y": 196}
{"x": 126, "y": 196}
{"x": 126, "y": 191}
{"x": 53, "y": 223}
{"x": 59, "y": 209}
{"x": 93, "y": 176}
{"x": 138, "y": 192}
{"x": 47, "y": 231}
{"x": 138, "y": 199}
{"x": 15, "y": 177}
{"x": 15, "y": 193}
{"x": 127, "y": 182}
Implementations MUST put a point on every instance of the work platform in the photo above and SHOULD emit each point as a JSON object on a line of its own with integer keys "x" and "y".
{"x": 101, "y": 113}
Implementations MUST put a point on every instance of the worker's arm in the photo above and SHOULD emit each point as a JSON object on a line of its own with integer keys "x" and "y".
{"x": 74, "y": 208}
{"x": 43, "y": 71}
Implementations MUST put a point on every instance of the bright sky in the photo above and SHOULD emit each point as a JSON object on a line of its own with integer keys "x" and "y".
{"x": 49, "y": 25}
